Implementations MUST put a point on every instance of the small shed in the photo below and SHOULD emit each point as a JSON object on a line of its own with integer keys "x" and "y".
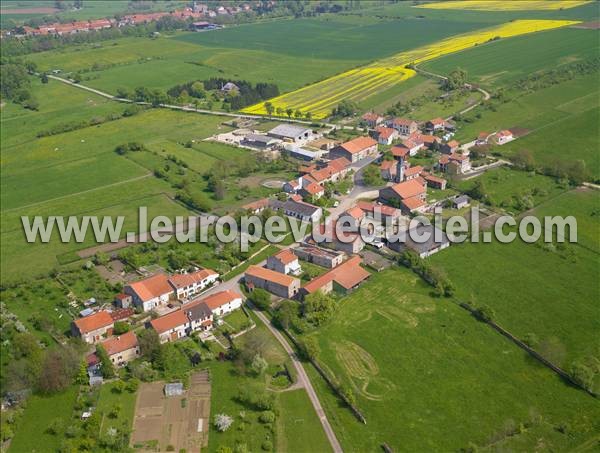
{"x": 460, "y": 201}
{"x": 174, "y": 389}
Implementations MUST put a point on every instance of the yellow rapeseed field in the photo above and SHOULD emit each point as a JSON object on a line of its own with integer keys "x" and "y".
{"x": 357, "y": 84}
{"x": 505, "y": 5}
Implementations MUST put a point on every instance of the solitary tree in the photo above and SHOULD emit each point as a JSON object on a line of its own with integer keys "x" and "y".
{"x": 289, "y": 112}
{"x": 269, "y": 108}
{"x": 223, "y": 422}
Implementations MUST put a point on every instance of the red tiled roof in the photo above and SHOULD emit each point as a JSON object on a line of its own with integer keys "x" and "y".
{"x": 387, "y": 164}
{"x": 453, "y": 144}
{"x": 355, "y": 212}
{"x": 258, "y": 204}
{"x": 348, "y": 275}
{"x": 444, "y": 159}
{"x": 339, "y": 164}
{"x": 358, "y": 144}
{"x": 504, "y": 133}
{"x": 286, "y": 256}
{"x": 371, "y": 116}
{"x": 416, "y": 170}
{"x": 433, "y": 178}
{"x": 271, "y": 276}
{"x": 152, "y": 287}
{"x": 182, "y": 280}
{"x": 437, "y": 121}
{"x": 94, "y": 322}
{"x": 216, "y": 300}
{"x": 121, "y": 313}
{"x": 400, "y": 151}
{"x": 409, "y": 189}
{"x": 413, "y": 203}
{"x": 408, "y": 143}
{"x": 120, "y": 343}
{"x": 385, "y": 210}
{"x": 385, "y": 132}
{"x": 313, "y": 188}
{"x": 458, "y": 157}
{"x": 170, "y": 321}
{"x": 403, "y": 122}
{"x": 483, "y": 135}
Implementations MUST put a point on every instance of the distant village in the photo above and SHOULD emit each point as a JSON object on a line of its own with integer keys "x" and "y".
{"x": 192, "y": 13}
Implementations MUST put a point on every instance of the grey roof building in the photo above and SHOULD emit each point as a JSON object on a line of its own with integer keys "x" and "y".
{"x": 409, "y": 240}
{"x": 291, "y": 132}
{"x": 298, "y": 209}
{"x": 260, "y": 141}
{"x": 174, "y": 389}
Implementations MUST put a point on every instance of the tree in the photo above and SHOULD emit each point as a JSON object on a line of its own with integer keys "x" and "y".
{"x": 318, "y": 308}
{"x": 106, "y": 366}
{"x": 44, "y": 78}
{"x": 308, "y": 115}
{"x": 220, "y": 189}
{"x": 59, "y": 368}
{"x": 260, "y": 298}
{"x": 280, "y": 111}
{"x": 345, "y": 108}
{"x": 583, "y": 375}
{"x": 289, "y": 112}
{"x": 121, "y": 327}
{"x": 309, "y": 348}
{"x": 372, "y": 176}
{"x": 269, "y": 108}
{"x": 298, "y": 113}
{"x": 149, "y": 344}
{"x": 223, "y": 422}
{"x": 82, "y": 376}
{"x": 456, "y": 79}
{"x": 259, "y": 365}
{"x": 524, "y": 159}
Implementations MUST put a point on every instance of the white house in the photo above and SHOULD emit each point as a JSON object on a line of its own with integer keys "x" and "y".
{"x": 504, "y": 136}
{"x": 223, "y": 302}
{"x": 171, "y": 327}
{"x": 151, "y": 292}
{"x": 187, "y": 285}
{"x": 285, "y": 262}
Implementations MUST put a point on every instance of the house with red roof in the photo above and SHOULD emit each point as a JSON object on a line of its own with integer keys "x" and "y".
{"x": 343, "y": 278}
{"x": 372, "y": 119}
{"x": 352, "y": 217}
{"x": 409, "y": 195}
{"x": 504, "y": 136}
{"x": 404, "y": 126}
{"x": 388, "y": 170}
{"x": 433, "y": 181}
{"x": 256, "y": 207}
{"x": 150, "y": 292}
{"x": 355, "y": 149}
{"x": 450, "y": 147}
{"x": 385, "y": 135}
{"x": 122, "y": 348}
{"x": 284, "y": 261}
{"x": 188, "y": 285}
{"x": 454, "y": 164}
{"x": 482, "y": 139}
{"x": 413, "y": 172}
{"x": 172, "y": 326}
{"x": 223, "y": 302}
{"x": 94, "y": 327}
{"x": 349, "y": 242}
{"x": 438, "y": 124}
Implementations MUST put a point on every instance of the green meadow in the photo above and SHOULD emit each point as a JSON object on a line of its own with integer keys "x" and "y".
{"x": 504, "y": 61}
{"x": 418, "y": 364}
{"x": 546, "y": 290}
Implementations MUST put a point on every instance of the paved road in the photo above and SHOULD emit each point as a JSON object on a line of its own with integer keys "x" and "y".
{"x": 304, "y": 380}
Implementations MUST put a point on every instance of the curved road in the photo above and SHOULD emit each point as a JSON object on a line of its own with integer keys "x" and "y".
{"x": 486, "y": 95}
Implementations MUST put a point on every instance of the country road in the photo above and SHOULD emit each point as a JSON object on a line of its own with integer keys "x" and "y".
{"x": 486, "y": 95}
{"x": 304, "y": 380}
{"x": 179, "y": 107}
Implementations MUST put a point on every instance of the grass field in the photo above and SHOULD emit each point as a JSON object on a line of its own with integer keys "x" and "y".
{"x": 300, "y": 429}
{"x": 418, "y": 364}
{"x": 561, "y": 120}
{"x": 40, "y": 413}
{"x": 358, "y": 84}
{"x": 107, "y": 400}
{"x": 505, "y": 187}
{"x": 526, "y": 284}
{"x": 504, "y": 61}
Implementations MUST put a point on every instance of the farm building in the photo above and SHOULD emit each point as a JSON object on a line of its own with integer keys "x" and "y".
{"x": 259, "y": 141}
{"x": 298, "y": 209}
{"x": 318, "y": 255}
{"x": 356, "y": 149}
{"x": 343, "y": 278}
{"x": 275, "y": 282}
{"x": 436, "y": 241}
{"x": 291, "y": 133}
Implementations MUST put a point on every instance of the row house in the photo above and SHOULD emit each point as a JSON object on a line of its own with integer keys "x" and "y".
{"x": 94, "y": 327}
{"x": 122, "y": 349}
